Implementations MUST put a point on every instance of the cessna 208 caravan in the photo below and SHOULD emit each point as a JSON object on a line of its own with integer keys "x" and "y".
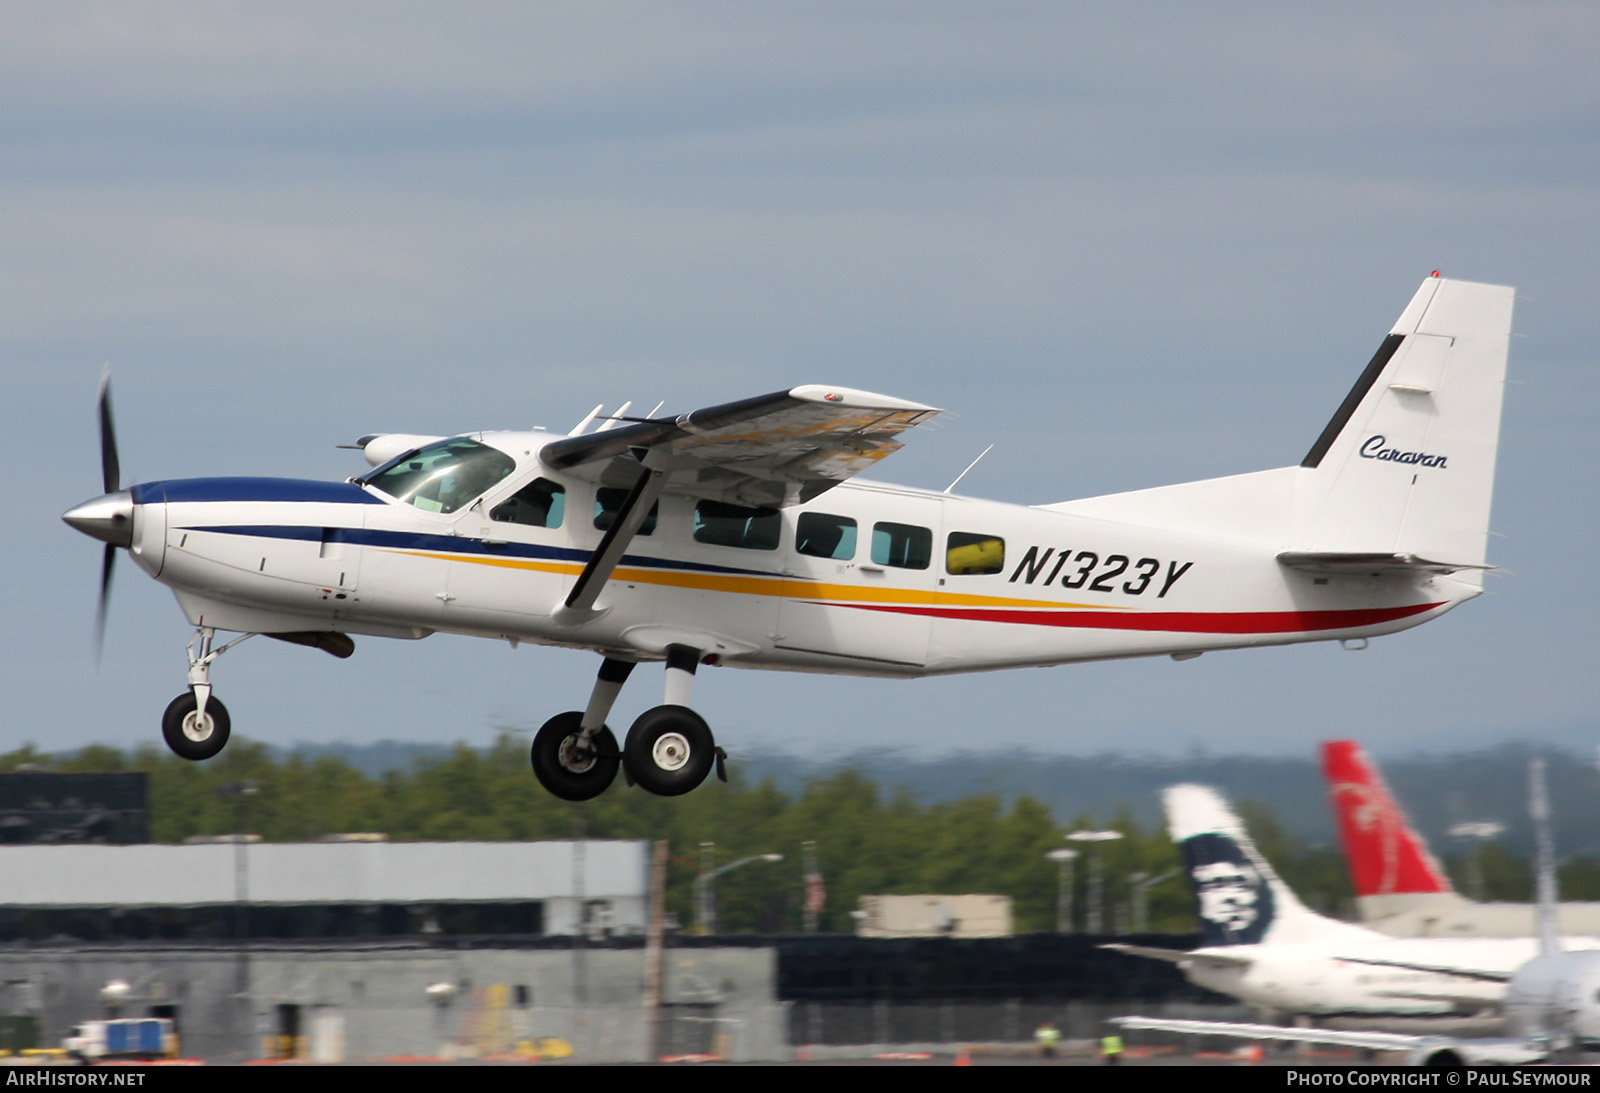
{"x": 738, "y": 535}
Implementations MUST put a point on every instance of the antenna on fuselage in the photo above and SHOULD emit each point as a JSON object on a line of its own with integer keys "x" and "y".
{"x": 584, "y": 424}
{"x": 971, "y": 465}
{"x": 611, "y": 420}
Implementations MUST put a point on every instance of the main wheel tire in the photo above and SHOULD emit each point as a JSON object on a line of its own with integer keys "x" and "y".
{"x": 568, "y": 770}
{"x": 670, "y": 750}
{"x": 191, "y": 737}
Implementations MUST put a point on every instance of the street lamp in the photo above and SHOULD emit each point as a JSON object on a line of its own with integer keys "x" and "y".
{"x": 1479, "y": 832}
{"x": 1095, "y": 919}
{"x": 705, "y": 898}
{"x": 1141, "y": 883}
{"x": 1063, "y": 858}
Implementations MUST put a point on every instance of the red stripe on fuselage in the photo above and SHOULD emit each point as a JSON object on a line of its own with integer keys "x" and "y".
{"x": 1187, "y": 622}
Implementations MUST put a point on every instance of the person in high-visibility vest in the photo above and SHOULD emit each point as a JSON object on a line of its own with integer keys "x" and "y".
{"x": 1047, "y": 1036}
{"x": 1111, "y": 1049}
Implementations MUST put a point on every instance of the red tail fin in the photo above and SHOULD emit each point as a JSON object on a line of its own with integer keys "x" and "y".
{"x": 1385, "y": 854}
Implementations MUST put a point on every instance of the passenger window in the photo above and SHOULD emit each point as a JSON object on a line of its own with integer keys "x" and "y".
{"x": 608, "y": 502}
{"x": 823, "y": 536}
{"x": 540, "y": 504}
{"x": 966, "y": 553}
{"x": 902, "y": 545}
{"x": 736, "y": 525}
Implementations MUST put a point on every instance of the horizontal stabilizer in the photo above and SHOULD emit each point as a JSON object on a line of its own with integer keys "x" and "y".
{"x": 1180, "y": 956}
{"x": 1341, "y": 563}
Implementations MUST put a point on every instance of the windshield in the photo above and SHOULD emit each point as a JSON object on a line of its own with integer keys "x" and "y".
{"x": 445, "y": 476}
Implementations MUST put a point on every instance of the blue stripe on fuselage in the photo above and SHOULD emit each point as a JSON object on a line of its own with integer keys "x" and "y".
{"x": 251, "y": 489}
{"x": 451, "y": 544}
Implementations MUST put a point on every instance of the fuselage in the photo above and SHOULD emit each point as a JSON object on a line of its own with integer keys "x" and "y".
{"x": 1557, "y": 994}
{"x": 865, "y": 579}
{"x": 1318, "y": 978}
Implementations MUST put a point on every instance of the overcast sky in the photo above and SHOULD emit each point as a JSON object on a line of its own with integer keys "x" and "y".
{"x": 1127, "y": 244}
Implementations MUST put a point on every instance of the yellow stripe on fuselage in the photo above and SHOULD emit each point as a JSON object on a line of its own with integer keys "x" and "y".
{"x": 782, "y": 587}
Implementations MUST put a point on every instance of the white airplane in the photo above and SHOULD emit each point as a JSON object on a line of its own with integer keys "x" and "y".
{"x": 1260, "y": 944}
{"x": 1550, "y": 1001}
{"x": 732, "y": 535}
{"x": 1401, "y": 890}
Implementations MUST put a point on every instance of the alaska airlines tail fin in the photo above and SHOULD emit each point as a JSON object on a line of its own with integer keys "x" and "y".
{"x": 1406, "y": 465}
{"x": 1239, "y": 899}
{"x": 1387, "y": 859}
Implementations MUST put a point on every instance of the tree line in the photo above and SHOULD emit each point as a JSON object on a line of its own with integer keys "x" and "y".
{"x": 867, "y": 842}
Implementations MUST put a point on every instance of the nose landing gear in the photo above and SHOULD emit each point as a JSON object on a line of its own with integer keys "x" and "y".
{"x": 192, "y": 734}
{"x": 196, "y": 725}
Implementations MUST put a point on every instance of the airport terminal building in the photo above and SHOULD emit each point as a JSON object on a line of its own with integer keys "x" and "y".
{"x": 362, "y": 949}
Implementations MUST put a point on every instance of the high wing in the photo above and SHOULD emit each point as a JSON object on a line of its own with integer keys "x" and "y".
{"x": 772, "y": 450}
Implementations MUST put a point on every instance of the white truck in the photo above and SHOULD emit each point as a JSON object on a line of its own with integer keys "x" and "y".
{"x": 123, "y": 1039}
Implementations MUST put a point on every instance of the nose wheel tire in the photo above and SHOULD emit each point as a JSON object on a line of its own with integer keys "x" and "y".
{"x": 192, "y": 737}
{"x": 669, "y": 751}
{"x": 566, "y": 766}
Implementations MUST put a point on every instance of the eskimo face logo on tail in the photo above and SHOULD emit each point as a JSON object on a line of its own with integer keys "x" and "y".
{"x": 1233, "y": 899}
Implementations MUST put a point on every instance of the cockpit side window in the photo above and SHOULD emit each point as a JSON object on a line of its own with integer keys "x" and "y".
{"x": 540, "y": 504}
{"x": 444, "y": 476}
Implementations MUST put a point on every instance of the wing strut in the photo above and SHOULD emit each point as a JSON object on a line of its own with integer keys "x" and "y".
{"x": 629, "y": 519}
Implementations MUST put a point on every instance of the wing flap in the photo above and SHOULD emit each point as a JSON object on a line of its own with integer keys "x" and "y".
{"x": 778, "y": 449}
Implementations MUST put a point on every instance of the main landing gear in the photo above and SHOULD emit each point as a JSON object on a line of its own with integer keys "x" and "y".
{"x": 669, "y": 749}
{"x": 196, "y": 724}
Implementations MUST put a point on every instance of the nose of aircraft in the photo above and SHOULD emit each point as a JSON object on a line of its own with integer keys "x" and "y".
{"x": 108, "y": 518}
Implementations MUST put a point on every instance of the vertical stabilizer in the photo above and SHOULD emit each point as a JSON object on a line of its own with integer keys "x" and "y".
{"x": 1239, "y": 898}
{"x": 1406, "y": 465}
{"x": 1385, "y": 855}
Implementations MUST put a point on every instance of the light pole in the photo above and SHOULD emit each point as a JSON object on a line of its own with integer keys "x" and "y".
{"x": 705, "y": 898}
{"x": 1141, "y": 883}
{"x": 1478, "y": 832}
{"x": 1095, "y": 919}
{"x": 1063, "y": 858}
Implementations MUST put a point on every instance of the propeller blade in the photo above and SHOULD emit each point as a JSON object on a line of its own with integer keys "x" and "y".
{"x": 110, "y": 466}
{"x": 107, "y": 566}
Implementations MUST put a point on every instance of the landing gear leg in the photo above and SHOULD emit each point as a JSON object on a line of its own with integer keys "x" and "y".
{"x": 196, "y": 724}
{"x": 670, "y": 749}
{"x": 574, "y": 755}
